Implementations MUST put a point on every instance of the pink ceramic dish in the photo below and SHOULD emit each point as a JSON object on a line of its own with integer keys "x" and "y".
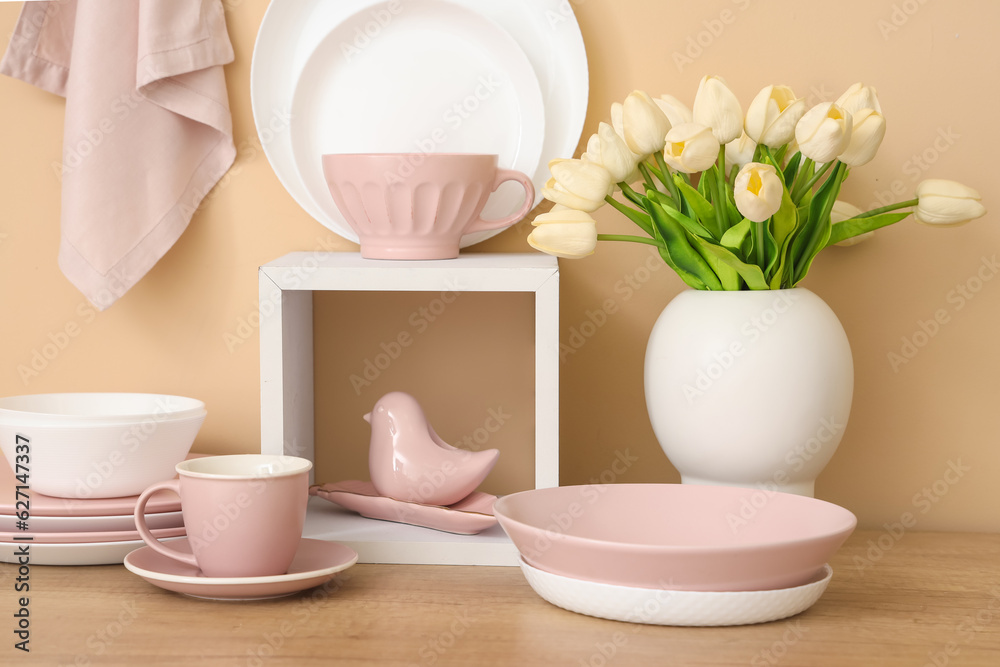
{"x": 675, "y": 537}
{"x": 471, "y": 515}
{"x": 90, "y": 538}
{"x": 418, "y": 205}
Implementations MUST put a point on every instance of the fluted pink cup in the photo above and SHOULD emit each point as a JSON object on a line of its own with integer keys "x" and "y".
{"x": 418, "y": 205}
{"x": 243, "y": 513}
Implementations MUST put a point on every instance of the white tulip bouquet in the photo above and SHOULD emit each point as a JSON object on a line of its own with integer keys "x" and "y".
{"x": 734, "y": 202}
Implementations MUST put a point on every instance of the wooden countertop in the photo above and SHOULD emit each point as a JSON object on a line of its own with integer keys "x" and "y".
{"x": 922, "y": 599}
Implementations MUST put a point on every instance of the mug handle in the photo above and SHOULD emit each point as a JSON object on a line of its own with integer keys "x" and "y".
{"x": 147, "y": 537}
{"x": 504, "y": 175}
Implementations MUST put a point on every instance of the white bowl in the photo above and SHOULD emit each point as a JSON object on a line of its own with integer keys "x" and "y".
{"x": 73, "y": 409}
{"x": 97, "y": 445}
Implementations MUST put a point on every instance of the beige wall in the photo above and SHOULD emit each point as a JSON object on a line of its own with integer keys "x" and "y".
{"x": 936, "y": 75}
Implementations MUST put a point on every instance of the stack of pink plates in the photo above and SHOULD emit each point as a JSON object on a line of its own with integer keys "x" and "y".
{"x": 72, "y": 531}
{"x": 671, "y": 554}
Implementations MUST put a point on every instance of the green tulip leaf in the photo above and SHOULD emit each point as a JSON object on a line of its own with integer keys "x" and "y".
{"x": 791, "y": 169}
{"x": 816, "y": 231}
{"x": 734, "y": 237}
{"x": 728, "y": 276}
{"x": 857, "y": 226}
{"x": 677, "y": 246}
{"x": 702, "y": 208}
{"x": 784, "y": 222}
{"x": 751, "y": 273}
{"x": 687, "y": 223}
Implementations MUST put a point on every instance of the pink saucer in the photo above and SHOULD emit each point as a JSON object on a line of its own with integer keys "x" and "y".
{"x": 89, "y": 538}
{"x": 473, "y": 514}
{"x": 51, "y": 506}
{"x": 316, "y": 562}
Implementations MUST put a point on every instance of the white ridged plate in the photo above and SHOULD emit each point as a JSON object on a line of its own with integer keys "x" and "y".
{"x": 671, "y": 607}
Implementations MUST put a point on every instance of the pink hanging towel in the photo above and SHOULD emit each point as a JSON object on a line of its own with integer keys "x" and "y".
{"x": 148, "y": 130}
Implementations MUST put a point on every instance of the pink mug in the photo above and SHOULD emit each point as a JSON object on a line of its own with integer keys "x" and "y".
{"x": 243, "y": 513}
{"x": 418, "y": 205}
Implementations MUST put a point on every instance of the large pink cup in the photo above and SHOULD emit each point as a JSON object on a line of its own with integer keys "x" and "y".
{"x": 243, "y": 513}
{"x": 418, "y": 205}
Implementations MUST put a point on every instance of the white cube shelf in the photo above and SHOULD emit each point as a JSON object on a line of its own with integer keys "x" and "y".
{"x": 286, "y": 382}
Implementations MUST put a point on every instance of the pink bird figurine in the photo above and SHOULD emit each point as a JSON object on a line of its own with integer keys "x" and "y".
{"x": 408, "y": 461}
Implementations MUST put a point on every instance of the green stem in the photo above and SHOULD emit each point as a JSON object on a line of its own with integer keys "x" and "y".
{"x": 721, "y": 204}
{"x": 632, "y": 214}
{"x": 667, "y": 180}
{"x": 644, "y": 170}
{"x": 801, "y": 189}
{"x": 887, "y": 209}
{"x": 626, "y": 188}
{"x": 625, "y": 237}
{"x": 758, "y": 244}
{"x": 805, "y": 167}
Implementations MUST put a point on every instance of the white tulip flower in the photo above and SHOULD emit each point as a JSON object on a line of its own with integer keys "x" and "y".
{"x": 690, "y": 148}
{"x": 643, "y": 123}
{"x": 739, "y": 152}
{"x": 564, "y": 232}
{"x": 676, "y": 111}
{"x": 717, "y": 107}
{"x": 578, "y": 184}
{"x": 824, "y": 132}
{"x": 773, "y": 114}
{"x": 867, "y": 132}
{"x": 758, "y": 190}
{"x": 858, "y": 97}
{"x": 947, "y": 203}
{"x": 608, "y": 149}
{"x": 843, "y": 210}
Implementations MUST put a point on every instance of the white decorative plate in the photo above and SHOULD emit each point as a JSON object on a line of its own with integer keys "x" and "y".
{"x": 293, "y": 30}
{"x": 670, "y": 607}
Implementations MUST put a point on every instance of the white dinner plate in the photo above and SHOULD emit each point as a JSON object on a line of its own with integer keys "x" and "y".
{"x": 437, "y": 78}
{"x": 671, "y": 607}
{"x": 100, "y": 553}
{"x": 292, "y": 30}
{"x": 90, "y": 524}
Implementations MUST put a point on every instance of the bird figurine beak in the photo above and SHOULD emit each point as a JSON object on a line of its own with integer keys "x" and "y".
{"x": 368, "y": 418}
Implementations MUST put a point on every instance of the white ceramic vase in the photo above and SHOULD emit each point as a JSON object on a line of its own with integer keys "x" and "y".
{"x": 749, "y": 388}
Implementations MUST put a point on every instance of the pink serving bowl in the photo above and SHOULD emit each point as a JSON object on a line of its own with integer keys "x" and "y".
{"x": 675, "y": 537}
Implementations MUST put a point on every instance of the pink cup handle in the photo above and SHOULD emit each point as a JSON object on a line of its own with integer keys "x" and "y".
{"x": 504, "y": 175}
{"x": 147, "y": 537}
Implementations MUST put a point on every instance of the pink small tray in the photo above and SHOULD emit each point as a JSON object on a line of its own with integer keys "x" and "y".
{"x": 473, "y": 514}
